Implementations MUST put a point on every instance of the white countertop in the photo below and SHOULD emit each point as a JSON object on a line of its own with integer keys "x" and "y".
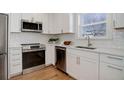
{"x": 112, "y": 51}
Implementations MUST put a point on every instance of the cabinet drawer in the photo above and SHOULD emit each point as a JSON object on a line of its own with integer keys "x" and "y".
{"x": 111, "y": 72}
{"x": 15, "y": 52}
{"x": 116, "y": 60}
{"x": 85, "y": 54}
{"x": 15, "y": 68}
{"x": 18, "y": 58}
{"x": 13, "y": 56}
{"x": 15, "y": 64}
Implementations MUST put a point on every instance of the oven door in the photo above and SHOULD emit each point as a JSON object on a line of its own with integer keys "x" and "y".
{"x": 33, "y": 58}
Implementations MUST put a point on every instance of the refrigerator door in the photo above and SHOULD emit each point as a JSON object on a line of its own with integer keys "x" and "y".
{"x": 3, "y": 46}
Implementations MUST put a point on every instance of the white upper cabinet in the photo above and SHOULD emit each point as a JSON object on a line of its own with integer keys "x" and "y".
{"x": 60, "y": 23}
{"x": 44, "y": 18}
{"x": 67, "y": 21}
{"x": 52, "y": 24}
{"x": 15, "y": 22}
{"x": 35, "y": 17}
{"x": 118, "y": 20}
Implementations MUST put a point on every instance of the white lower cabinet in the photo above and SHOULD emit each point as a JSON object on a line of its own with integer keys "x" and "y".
{"x": 15, "y": 61}
{"x": 82, "y": 65}
{"x": 73, "y": 67}
{"x": 50, "y": 54}
{"x": 111, "y": 72}
{"x": 89, "y": 69}
{"x": 111, "y": 67}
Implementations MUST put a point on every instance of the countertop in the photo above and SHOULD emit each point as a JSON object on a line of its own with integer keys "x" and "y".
{"x": 111, "y": 51}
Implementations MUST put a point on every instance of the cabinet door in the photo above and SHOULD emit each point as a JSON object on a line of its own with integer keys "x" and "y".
{"x": 28, "y": 16}
{"x": 15, "y": 22}
{"x": 50, "y": 54}
{"x": 38, "y": 17}
{"x": 51, "y": 22}
{"x": 111, "y": 72}
{"x": 88, "y": 69}
{"x": 67, "y": 23}
{"x": 45, "y": 23}
{"x": 118, "y": 20}
{"x": 35, "y": 17}
{"x": 58, "y": 23}
{"x": 54, "y": 23}
{"x": 73, "y": 66}
{"x": 64, "y": 23}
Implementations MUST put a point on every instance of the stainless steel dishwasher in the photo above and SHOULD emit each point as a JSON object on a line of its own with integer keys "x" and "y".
{"x": 61, "y": 58}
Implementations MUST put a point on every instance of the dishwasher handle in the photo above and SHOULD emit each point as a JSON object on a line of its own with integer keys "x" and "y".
{"x": 61, "y": 48}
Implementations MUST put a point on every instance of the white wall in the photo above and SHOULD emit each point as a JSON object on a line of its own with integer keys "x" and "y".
{"x": 116, "y": 42}
{"x": 23, "y": 37}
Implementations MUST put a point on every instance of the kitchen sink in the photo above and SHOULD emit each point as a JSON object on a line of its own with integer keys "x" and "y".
{"x": 85, "y": 47}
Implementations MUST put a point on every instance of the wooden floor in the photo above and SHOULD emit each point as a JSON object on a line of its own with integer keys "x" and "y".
{"x": 48, "y": 73}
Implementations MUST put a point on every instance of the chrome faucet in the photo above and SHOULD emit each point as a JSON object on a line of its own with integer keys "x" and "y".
{"x": 88, "y": 41}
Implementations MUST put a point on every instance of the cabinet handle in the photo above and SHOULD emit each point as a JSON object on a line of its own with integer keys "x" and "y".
{"x": 15, "y": 54}
{"x": 61, "y": 30}
{"x": 115, "y": 68}
{"x": 78, "y": 60}
{"x": 15, "y": 59}
{"x": 114, "y": 23}
{"x": 16, "y": 65}
{"x": 110, "y": 57}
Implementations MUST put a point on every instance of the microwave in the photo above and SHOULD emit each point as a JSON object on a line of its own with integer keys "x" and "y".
{"x": 27, "y": 26}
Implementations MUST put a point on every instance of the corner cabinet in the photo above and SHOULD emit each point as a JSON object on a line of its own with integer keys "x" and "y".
{"x": 60, "y": 23}
{"x": 82, "y": 65}
{"x": 15, "y": 22}
{"x": 118, "y": 20}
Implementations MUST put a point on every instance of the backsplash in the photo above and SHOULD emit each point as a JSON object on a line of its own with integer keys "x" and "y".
{"x": 21, "y": 38}
{"x": 116, "y": 42}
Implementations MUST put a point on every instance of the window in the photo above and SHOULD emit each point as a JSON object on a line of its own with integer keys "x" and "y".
{"x": 93, "y": 24}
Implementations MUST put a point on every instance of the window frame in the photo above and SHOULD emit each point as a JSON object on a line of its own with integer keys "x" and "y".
{"x": 109, "y": 26}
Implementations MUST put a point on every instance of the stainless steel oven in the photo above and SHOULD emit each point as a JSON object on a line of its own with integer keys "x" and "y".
{"x": 33, "y": 57}
{"x": 61, "y": 58}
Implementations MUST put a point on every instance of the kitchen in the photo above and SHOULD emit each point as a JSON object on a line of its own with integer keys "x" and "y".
{"x": 69, "y": 46}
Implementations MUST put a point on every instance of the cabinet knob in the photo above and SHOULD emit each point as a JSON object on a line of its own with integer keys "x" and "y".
{"x": 61, "y": 30}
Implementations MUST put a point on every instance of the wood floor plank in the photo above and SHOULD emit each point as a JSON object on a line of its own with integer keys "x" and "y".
{"x": 48, "y": 73}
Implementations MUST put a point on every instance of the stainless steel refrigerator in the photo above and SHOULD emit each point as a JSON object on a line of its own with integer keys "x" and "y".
{"x": 3, "y": 46}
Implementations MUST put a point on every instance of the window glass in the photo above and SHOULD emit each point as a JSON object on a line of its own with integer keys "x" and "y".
{"x": 93, "y": 24}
